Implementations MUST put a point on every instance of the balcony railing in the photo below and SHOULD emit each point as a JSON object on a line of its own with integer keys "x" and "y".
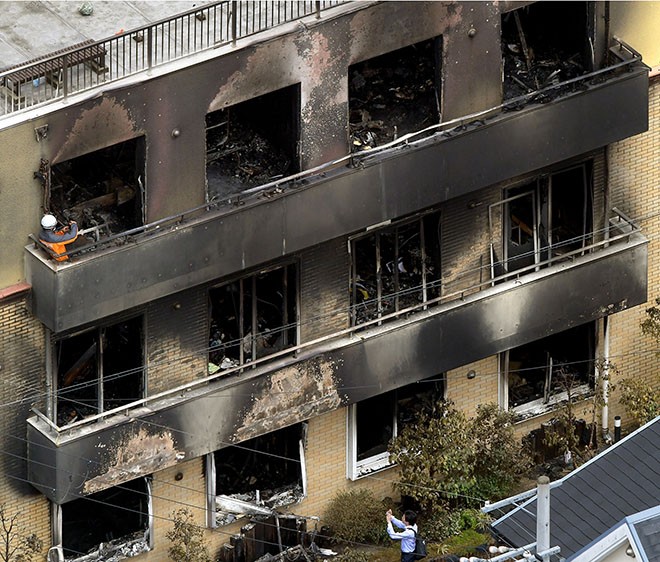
{"x": 91, "y": 64}
{"x": 621, "y": 231}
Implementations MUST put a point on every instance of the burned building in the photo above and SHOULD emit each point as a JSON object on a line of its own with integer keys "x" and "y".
{"x": 301, "y": 223}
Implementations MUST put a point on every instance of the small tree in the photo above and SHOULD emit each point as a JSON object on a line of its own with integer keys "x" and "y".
{"x": 15, "y": 545}
{"x": 448, "y": 459}
{"x": 188, "y": 543}
{"x": 641, "y": 400}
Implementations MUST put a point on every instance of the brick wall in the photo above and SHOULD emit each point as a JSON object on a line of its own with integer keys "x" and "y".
{"x": 22, "y": 368}
{"x": 324, "y": 281}
{"x": 635, "y": 181}
{"x": 177, "y": 339}
{"x": 467, "y": 394}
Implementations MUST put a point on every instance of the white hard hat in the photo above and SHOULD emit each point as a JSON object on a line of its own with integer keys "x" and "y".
{"x": 48, "y": 221}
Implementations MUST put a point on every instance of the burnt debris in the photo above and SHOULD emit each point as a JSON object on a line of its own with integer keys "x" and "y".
{"x": 252, "y": 143}
{"x": 101, "y": 191}
{"x": 542, "y": 45}
{"x": 393, "y": 94}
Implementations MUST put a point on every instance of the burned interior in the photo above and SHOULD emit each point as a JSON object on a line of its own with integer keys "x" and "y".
{"x": 252, "y": 143}
{"x": 395, "y": 267}
{"x": 98, "y": 370}
{"x": 542, "y": 372}
{"x": 394, "y": 94}
{"x": 108, "y": 525}
{"x": 265, "y": 472}
{"x": 545, "y": 43}
{"x": 253, "y": 317}
{"x": 375, "y": 421}
{"x": 103, "y": 190}
{"x": 544, "y": 218}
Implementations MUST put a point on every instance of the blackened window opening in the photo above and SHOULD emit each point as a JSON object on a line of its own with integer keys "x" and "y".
{"x": 544, "y": 368}
{"x": 395, "y": 268}
{"x": 99, "y": 370}
{"x": 394, "y": 94}
{"x": 253, "y": 143}
{"x": 381, "y": 418}
{"x": 102, "y": 191}
{"x": 253, "y": 317}
{"x": 545, "y": 43}
{"x": 119, "y": 514}
{"x": 267, "y": 463}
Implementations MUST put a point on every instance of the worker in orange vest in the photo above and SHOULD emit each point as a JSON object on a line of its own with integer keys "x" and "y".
{"x": 56, "y": 240}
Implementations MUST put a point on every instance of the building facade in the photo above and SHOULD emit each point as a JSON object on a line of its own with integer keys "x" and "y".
{"x": 297, "y": 227}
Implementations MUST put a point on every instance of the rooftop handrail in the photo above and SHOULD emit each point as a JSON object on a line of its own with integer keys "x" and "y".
{"x": 379, "y": 325}
{"x": 130, "y": 52}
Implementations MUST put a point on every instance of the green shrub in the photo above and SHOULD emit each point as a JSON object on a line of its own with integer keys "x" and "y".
{"x": 356, "y": 516}
{"x": 640, "y": 400}
{"x": 448, "y": 460}
{"x": 465, "y": 543}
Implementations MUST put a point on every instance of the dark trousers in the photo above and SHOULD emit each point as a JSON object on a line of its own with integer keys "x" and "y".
{"x": 407, "y": 557}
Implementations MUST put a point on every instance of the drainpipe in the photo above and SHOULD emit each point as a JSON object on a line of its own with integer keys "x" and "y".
{"x": 605, "y": 374}
{"x": 543, "y": 517}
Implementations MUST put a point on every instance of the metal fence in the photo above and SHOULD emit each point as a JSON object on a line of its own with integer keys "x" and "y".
{"x": 91, "y": 64}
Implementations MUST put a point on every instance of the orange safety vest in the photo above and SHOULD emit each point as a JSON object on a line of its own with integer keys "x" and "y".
{"x": 59, "y": 248}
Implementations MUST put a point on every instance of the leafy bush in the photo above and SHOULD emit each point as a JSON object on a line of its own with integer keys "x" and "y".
{"x": 465, "y": 543}
{"x": 640, "y": 400}
{"x": 450, "y": 461}
{"x": 356, "y": 516}
{"x": 187, "y": 539}
{"x": 353, "y": 556}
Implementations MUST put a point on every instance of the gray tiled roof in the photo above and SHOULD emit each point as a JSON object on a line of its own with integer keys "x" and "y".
{"x": 621, "y": 481}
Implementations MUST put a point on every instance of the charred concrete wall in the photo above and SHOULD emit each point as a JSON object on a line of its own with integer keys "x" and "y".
{"x": 316, "y": 57}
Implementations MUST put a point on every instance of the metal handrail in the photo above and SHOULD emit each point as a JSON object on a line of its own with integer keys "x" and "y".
{"x": 380, "y": 325}
{"x": 131, "y": 52}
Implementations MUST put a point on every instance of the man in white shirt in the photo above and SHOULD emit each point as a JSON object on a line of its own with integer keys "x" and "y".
{"x": 407, "y": 537}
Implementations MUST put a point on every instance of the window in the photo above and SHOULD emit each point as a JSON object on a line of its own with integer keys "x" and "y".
{"x": 253, "y": 317}
{"x": 253, "y": 142}
{"x": 99, "y": 370}
{"x": 545, "y": 43}
{"x": 111, "y": 525}
{"x": 394, "y": 94}
{"x": 103, "y": 190}
{"x": 543, "y": 219}
{"x": 540, "y": 374}
{"x": 258, "y": 475}
{"x": 395, "y": 267}
{"x": 373, "y": 422}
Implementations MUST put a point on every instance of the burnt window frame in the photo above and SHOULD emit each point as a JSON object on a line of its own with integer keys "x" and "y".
{"x": 361, "y": 468}
{"x": 292, "y": 325}
{"x": 550, "y": 399}
{"x": 57, "y": 520}
{"x": 245, "y": 507}
{"x": 540, "y": 188}
{"x": 98, "y": 334}
{"x": 426, "y": 287}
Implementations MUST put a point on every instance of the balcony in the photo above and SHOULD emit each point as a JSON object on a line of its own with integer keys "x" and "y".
{"x": 357, "y": 191}
{"x": 501, "y": 313}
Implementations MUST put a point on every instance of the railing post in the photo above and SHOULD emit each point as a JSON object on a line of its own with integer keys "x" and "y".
{"x": 234, "y": 7}
{"x": 150, "y": 36}
{"x": 318, "y": 9}
{"x": 65, "y": 75}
